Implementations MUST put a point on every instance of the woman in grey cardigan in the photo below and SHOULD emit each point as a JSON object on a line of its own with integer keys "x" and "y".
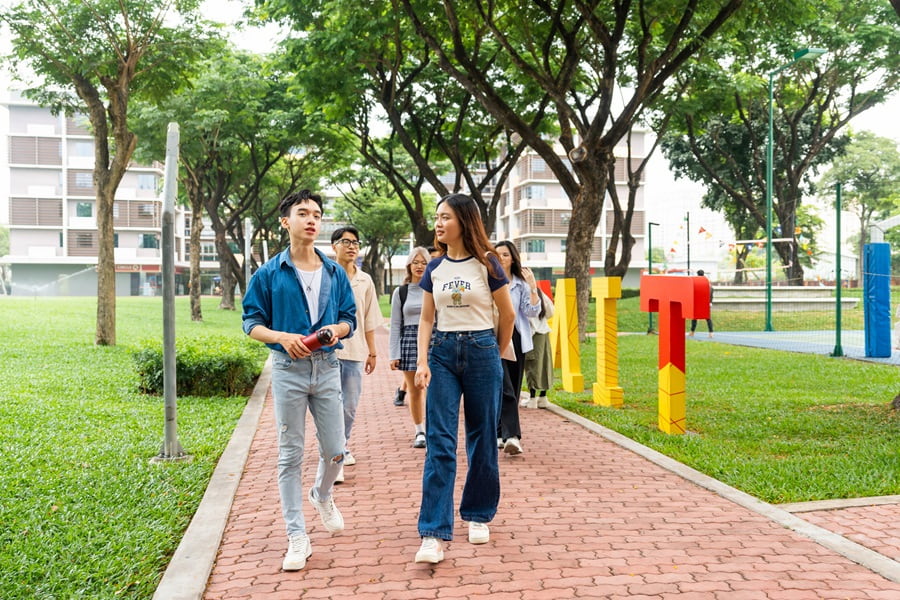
{"x": 406, "y": 307}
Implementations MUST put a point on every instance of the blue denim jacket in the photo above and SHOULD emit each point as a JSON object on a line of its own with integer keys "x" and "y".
{"x": 274, "y": 299}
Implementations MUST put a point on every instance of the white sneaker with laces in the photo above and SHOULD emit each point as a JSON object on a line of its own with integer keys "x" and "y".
{"x": 331, "y": 516}
{"x": 299, "y": 549}
{"x": 340, "y": 476}
{"x": 479, "y": 533}
{"x": 349, "y": 461}
{"x": 431, "y": 551}
{"x": 513, "y": 446}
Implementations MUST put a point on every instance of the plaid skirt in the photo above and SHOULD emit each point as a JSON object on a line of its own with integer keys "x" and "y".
{"x": 409, "y": 347}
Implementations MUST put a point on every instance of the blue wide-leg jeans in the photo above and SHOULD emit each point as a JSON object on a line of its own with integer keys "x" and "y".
{"x": 463, "y": 363}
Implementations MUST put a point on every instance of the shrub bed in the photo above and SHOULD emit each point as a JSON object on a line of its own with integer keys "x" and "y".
{"x": 204, "y": 366}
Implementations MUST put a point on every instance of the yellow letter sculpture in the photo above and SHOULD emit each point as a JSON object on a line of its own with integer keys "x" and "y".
{"x": 606, "y": 290}
{"x": 564, "y": 336}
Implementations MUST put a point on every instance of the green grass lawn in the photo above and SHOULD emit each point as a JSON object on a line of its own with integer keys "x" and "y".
{"x": 782, "y": 426}
{"x": 83, "y": 513}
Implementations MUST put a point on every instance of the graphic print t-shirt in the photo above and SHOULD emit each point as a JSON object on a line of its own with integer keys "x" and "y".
{"x": 462, "y": 292}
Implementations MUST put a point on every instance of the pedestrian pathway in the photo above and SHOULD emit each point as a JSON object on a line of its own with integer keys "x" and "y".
{"x": 584, "y": 513}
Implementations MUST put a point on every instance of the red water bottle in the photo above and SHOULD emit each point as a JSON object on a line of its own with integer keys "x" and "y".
{"x": 317, "y": 339}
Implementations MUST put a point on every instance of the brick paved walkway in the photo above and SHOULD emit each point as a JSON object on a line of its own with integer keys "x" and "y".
{"x": 580, "y": 517}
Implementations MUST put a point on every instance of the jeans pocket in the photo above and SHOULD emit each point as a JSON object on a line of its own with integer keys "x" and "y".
{"x": 332, "y": 359}
{"x": 281, "y": 361}
{"x": 484, "y": 340}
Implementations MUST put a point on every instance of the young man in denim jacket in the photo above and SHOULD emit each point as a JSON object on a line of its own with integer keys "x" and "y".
{"x": 298, "y": 292}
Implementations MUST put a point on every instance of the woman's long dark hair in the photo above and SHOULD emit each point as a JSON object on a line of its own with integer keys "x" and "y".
{"x": 474, "y": 237}
{"x": 515, "y": 267}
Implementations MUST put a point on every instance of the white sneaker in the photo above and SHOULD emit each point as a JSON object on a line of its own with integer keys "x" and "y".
{"x": 542, "y": 402}
{"x": 500, "y": 443}
{"x": 524, "y": 399}
{"x": 479, "y": 533}
{"x": 299, "y": 549}
{"x": 431, "y": 551}
{"x": 340, "y": 475}
{"x": 513, "y": 446}
{"x": 349, "y": 461}
{"x": 331, "y": 516}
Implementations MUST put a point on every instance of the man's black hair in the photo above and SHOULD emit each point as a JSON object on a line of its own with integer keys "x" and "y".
{"x": 340, "y": 231}
{"x": 284, "y": 207}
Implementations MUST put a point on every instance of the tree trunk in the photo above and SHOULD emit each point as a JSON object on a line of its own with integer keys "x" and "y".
{"x": 587, "y": 208}
{"x": 194, "y": 281}
{"x": 106, "y": 262}
{"x": 226, "y": 271}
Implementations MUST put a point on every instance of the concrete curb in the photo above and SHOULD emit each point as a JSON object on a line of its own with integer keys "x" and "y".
{"x": 186, "y": 576}
{"x": 874, "y": 561}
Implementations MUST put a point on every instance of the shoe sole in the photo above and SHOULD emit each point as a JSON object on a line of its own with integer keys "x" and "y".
{"x": 433, "y": 560}
{"x": 512, "y": 449}
{"x": 290, "y": 568}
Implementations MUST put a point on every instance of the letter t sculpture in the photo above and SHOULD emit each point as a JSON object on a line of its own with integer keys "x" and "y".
{"x": 675, "y": 298}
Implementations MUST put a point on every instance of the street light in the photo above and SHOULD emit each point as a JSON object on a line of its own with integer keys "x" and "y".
{"x": 804, "y": 54}
{"x": 650, "y": 264}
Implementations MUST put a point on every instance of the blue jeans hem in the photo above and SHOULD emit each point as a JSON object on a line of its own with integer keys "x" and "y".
{"x": 443, "y": 536}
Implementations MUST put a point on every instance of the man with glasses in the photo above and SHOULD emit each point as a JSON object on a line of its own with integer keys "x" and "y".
{"x": 359, "y": 351}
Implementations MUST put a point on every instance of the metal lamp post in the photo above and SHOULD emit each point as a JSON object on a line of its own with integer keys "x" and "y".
{"x": 804, "y": 54}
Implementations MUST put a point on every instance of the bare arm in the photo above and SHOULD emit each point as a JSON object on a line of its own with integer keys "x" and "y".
{"x": 426, "y": 323}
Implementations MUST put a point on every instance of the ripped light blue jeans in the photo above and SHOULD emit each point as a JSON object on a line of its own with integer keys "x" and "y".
{"x": 313, "y": 383}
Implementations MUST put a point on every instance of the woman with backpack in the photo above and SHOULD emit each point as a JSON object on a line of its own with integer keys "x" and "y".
{"x": 406, "y": 307}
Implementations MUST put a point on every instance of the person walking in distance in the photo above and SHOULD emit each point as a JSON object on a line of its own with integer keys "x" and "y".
{"x": 539, "y": 362}
{"x": 460, "y": 357}
{"x": 709, "y": 324}
{"x": 359, "y": 353}
{"x": 524, "y": 295}
{"x": 295, "y": 302}
{"x": 406, "y": 307}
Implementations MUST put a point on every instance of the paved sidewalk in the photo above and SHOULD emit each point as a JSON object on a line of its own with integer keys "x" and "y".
{"x": 584, "y": 513}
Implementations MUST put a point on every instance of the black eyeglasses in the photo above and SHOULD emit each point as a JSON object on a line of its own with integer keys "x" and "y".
{"x": 347, "y": 243}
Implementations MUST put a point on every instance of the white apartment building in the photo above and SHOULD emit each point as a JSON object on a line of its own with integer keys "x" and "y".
{"x": 48, "y": 202}
{"x": 534, "y": 213}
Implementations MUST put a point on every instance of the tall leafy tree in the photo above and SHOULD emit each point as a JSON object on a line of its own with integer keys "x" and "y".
{"x": 94, "y": 57}
{"x": 369, "y": 206}
{"x": 869, "y": 174}
{"x": 389, "y": 80}
{"x": 599, "y": 63}
{"x": 720, "y": 131}
{"x": 244, "y": 135}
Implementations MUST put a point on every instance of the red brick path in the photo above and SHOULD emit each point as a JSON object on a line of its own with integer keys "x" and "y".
{"x": 580, "y": 517}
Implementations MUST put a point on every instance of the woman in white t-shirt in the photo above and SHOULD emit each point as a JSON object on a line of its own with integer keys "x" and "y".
{"x": 461, "y": 358}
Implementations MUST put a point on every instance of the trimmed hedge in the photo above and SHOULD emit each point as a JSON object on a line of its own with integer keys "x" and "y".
{"x": 204, "y": 366}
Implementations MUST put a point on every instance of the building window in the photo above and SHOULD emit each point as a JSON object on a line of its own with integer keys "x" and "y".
{"x": 115, "y": 240}
{"x": 84, "y": 209}
{"x": 538, "y": 219}
{"x": 538, "y": 165}
{"x": 534, "y": 246}
{"x": 83, "y": 149}
{"x": 147, "y": 181}
{"x": 565, "y": 217}
{"x": 84, "y": 240}
{"x": 149, "y": 240}
{"x": 562, "y": 245}
{"x": 84, "y": 181}
{"x": 145, "y": 210}
{"x": 534, "y": 192}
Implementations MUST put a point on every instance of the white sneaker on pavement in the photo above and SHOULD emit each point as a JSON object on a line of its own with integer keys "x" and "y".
{"x": 431, "y": 551}
{"x": 331, "y": 516}
{"x": 340, "y": 476}
{"x": 349, "y": 460}
{"x": 513, "y": 446}
{"x": 299, "y": 549}
{"x": 479, "y": 533}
